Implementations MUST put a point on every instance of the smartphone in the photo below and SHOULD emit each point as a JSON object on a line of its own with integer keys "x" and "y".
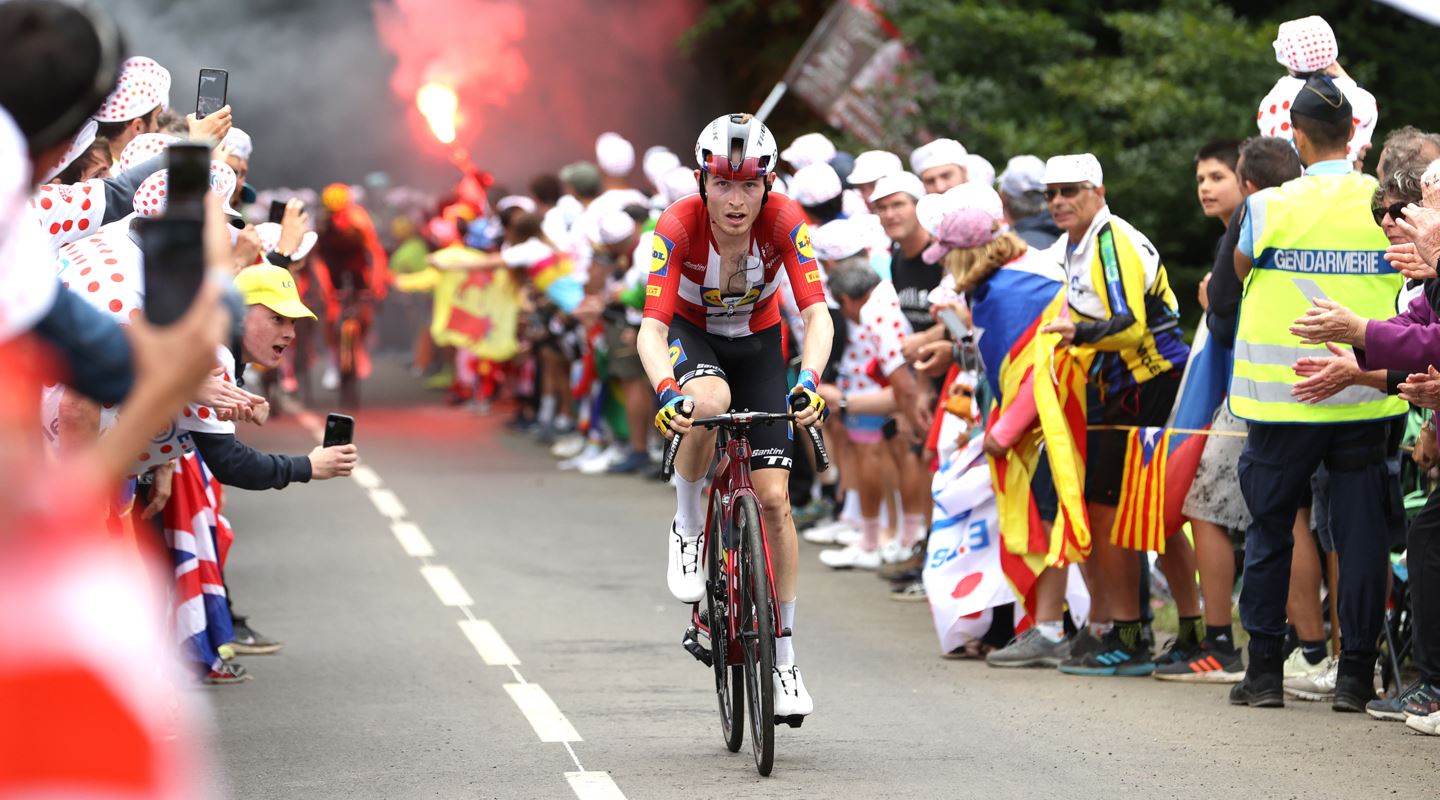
{"x": 210, "y": 97}
{"x": 339, "y": 429}
{"x": 952, "y": 322}
{"x": 174, "y": 253}
{"x": 188, "y": 181}
{"x": 277, "y": 211}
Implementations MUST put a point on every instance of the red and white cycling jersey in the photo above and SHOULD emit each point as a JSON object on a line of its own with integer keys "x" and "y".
{"x": 685, "y": 269}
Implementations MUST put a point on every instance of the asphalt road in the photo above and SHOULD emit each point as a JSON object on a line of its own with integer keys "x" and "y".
{"x": 381, "y": 693}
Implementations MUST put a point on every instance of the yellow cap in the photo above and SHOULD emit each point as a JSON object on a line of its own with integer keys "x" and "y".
{"x": 273, "y": 287}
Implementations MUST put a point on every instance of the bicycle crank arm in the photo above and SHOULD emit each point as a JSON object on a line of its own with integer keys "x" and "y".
{"x": 693, "y": 646}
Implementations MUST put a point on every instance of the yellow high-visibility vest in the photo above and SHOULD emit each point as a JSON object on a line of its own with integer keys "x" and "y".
{"x": 1319, "y": 240}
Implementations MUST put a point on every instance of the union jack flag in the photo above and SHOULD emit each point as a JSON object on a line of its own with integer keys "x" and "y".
{"x": 199, "y": 538}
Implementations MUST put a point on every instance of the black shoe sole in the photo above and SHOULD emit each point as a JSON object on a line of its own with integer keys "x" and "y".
{"x": 1346, "y": 704}
{"x": 1266, "y": 699}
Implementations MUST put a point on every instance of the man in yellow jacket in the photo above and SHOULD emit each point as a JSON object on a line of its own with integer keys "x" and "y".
{"x": 1308, "y": 239}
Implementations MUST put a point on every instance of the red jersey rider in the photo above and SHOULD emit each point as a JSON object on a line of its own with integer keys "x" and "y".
{"x": 710, "y": 342}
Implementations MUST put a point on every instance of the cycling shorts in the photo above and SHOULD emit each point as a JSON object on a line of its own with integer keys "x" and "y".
{"x": 754, "y": 368}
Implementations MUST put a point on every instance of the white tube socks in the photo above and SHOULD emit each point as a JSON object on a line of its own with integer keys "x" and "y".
{"x": 785, "y": 645}
{"x": 689, "y": 507}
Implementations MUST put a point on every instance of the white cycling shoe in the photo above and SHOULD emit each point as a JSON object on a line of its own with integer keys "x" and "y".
{"x": 686, "y": 580}
{"x": 791, "y": 698}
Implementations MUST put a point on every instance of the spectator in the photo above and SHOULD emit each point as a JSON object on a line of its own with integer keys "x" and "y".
{"x": 940, "y": 165}
{"x": 1321, "y": 212}
{"x": 1022, "y": 190}
{"x": 1123, "y": 308}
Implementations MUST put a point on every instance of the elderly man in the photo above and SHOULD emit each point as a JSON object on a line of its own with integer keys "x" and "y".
{"x": 941, "y": 165}
{"x": 1120, "y": 306}
{"x": 1305, "y": 242}
{"x": 1022, "y": 193}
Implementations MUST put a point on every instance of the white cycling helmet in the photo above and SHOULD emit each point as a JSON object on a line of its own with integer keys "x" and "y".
{"x": 738, "y": 147}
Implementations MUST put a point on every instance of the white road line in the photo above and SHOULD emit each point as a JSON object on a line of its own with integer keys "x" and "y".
{"x": 544, "y": 716}
{"x": 412, "y": 539}
{"x": 387, "y": 503}
{"x": 594, "y": 786}
{"x": 488, "y": 643}
{"x": 446, "y": 586}
{"x": 366, "y": 477}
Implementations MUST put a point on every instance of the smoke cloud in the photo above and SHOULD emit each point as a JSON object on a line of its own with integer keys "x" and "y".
{"x": 327, "y": 87}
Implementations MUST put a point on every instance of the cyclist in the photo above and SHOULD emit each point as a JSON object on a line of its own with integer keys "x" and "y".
{"x": 348, "y": 257}
{"x": 710, "y": 341}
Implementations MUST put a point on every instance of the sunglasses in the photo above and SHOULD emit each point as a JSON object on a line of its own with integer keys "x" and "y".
{"x": 1067, "y": 192}
{"x": 1395, "y": 210}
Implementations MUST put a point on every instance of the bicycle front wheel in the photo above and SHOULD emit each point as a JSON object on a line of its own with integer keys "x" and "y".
{"x": 757, "y": 632}
{"x": 729, "y": 676}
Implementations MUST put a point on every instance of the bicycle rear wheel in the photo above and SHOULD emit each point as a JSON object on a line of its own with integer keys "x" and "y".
{"x": 729, "y": 678}
{"x": 757, "y": 632}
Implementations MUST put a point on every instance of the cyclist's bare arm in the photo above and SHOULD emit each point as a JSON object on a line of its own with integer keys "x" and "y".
{"x": 819, "y": 334}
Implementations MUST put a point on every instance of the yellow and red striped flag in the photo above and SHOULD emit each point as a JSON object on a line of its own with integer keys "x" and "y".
{"x": 1140, "y": 517}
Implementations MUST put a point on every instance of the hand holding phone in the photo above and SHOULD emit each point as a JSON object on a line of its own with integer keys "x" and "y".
{"x": 210, "y": 96}
{"x": 339, "y": 429}
{"x": 277, "y": 211}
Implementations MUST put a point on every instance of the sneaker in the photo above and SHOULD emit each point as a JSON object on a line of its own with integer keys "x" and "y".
{"x": 1424, "y": 702}
{"x": 227, "y": 673}
{"x": 1427, "y": 725}
{"x": 851, "y": 557}
{"x": 910, "y": 592}
{"x": 1203, "y": 666}
{"x": 892, "y": 552}
{"x": 914, "y": 561}
{"x": 972, "y": 650}
{"x": 1317, "y": 684}
{"x": 330, "y": 381}
{"x": 1296, "y": 666}
{"x": 1259, "y": 691}
{"x": 686, "y": 581}
{"x": 1393, "y": 708}
{"x": 1111, "y": 658}
{"x": 590, "y": 452}
{"x": 812, "y": 512}
{"x": 1353, "y": 694}
{"x": 1176, "y": 652}
{"x": 791, "y": 698}
{"x": 825, "y": 532}
{"x": 631, "y": 463}
{"x": 601, "y": 464}
{"x": 847, "y": 536}
{"x": 1084, "y": 643}
{"x": 568, "y": 446}
{"x": 1030, "y": 649}
{"x": 250, "y": 642}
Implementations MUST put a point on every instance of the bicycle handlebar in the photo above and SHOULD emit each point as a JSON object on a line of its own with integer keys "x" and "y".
{"x": 745, "y": 419}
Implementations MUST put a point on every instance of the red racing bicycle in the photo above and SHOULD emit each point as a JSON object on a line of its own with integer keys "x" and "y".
{"x": 741, "y": 607}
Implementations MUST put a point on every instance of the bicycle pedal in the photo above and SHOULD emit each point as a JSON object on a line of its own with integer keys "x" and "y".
{"x": 794, "y": 720}
{"x": 693, "y": 646}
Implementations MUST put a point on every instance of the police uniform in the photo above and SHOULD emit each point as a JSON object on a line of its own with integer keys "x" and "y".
{"x": 1311, "y": 237}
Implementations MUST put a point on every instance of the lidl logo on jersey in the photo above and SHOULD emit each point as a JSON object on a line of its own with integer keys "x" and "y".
{"x": 677, "y": 353}
{"x": 801, "y": 238}
{"x": 713, "y": 299}
{"x": 660, "y": 256}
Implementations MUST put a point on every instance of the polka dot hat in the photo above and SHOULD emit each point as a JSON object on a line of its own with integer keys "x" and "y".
{"x": 1306, "y": 45}
{"x": 150, "y": 197}
{"x": 134, "y": 96}
{"x": 145, "y": 147}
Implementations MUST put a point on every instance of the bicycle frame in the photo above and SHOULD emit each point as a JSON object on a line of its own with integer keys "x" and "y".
{"x": 732, "y": 481}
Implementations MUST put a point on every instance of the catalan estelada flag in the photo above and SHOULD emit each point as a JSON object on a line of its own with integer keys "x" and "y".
{"x": 1058, "y": 379}
{"x": 1140, "y": 517}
